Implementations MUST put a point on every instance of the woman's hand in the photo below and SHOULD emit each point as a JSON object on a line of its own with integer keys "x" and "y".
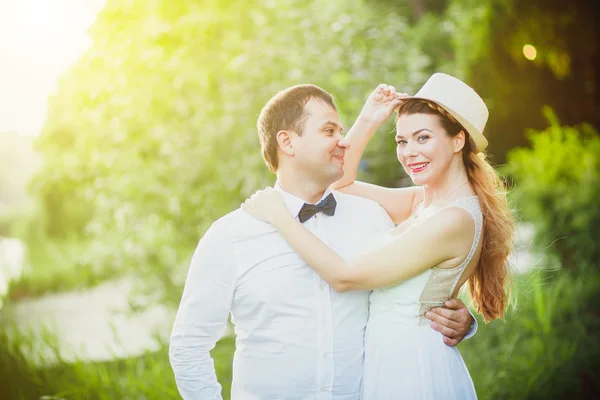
{"x": 265, "y": 205}
{"x": 381, "y": 104}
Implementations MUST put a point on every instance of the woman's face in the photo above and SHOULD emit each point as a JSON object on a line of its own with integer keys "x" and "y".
{"x": 424, "y": 148}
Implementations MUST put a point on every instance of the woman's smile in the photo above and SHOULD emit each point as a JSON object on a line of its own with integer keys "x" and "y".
{"x": 418, "y": 167}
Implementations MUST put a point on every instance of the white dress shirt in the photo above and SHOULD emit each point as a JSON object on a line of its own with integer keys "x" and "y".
{"x": 295, "y": 337}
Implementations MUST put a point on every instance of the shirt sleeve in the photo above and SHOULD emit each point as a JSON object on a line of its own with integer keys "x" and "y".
{"x": 473, "y": 328}
{"x": 383, "y": 220}
{"x": 202, "y": 315}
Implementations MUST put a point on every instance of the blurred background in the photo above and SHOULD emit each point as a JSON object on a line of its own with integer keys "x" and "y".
{"x": 127, "y": 127}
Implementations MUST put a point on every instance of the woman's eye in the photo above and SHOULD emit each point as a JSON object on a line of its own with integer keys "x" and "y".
{"x": 401, "y": 142}
{"x": 423, "y": 138}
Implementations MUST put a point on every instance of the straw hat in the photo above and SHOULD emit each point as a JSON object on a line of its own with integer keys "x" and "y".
{"x": 461, "y": 101}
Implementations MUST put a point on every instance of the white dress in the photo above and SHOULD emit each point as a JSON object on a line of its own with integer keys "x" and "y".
{"x": 404, "y": 357}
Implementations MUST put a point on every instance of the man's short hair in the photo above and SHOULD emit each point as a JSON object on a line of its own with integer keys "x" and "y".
{"x": 285, "y": 112}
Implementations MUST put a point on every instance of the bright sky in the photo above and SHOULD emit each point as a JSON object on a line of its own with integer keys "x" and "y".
{"x": 39, "y": 40}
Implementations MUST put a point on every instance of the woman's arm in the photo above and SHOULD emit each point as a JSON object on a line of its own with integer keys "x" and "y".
{"x": 358, "y": 136}
{"x": 397, "y": 202}
{"x": 380, "y": 104}
{"x": 444, "y": 237}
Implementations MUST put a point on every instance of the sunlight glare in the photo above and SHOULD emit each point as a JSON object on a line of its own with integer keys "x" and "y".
{"x": 40, "y": 40}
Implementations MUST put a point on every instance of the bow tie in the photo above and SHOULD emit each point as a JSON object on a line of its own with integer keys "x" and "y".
{"x": 326, "y": 206}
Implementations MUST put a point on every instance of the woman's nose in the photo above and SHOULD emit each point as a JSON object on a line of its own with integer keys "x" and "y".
{"x": 410, "y": 150}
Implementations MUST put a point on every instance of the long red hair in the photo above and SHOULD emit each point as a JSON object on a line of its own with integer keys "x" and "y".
{"x": 489, "y": 284}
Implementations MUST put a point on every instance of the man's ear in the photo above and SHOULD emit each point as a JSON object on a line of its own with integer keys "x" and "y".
{"x": 284, "y": 141}
{"x": 459, "y": 141}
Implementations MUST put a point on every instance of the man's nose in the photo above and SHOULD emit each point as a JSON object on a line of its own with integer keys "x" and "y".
{"x": 343, "y": 143}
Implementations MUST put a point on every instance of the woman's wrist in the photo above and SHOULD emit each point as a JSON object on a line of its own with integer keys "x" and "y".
{"x": 279, "y": 217}
{"x": 366, "y": 124}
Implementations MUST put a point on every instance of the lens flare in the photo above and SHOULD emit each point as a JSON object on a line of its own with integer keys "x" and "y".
{"x": 529, "y": 52}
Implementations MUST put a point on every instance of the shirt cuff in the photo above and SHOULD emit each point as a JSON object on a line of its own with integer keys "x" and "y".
{"x": 472, "y": 329}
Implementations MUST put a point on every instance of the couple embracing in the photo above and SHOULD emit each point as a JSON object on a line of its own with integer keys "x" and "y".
{"x": 341, "y": 289}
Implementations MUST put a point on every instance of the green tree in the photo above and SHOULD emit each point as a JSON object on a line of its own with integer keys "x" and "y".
{"x": 152, "y": 134}
{"x": 557, "y": 187}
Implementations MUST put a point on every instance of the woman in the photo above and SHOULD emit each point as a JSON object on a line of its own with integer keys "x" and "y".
{"x": 455, "y": 228}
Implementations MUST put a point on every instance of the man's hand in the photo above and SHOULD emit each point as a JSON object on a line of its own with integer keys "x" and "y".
{"x": 381, "y": 104}
{"x": 454, "y": 321}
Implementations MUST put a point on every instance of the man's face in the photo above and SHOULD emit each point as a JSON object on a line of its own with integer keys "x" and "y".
{"x": 319, "y": 150}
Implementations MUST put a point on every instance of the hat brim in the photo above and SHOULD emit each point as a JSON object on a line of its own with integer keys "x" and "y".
{"x": 479, "y": 141}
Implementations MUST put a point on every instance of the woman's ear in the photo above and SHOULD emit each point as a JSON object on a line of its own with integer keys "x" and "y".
{"x": 284, "y": 141}
{"x": 459, "y": 141}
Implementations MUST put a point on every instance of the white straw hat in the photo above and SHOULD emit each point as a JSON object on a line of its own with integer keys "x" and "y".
{"x": 461, "y": 101}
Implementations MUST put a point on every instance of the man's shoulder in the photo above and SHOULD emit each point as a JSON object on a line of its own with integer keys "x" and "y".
{"x": 238, "y": 224}
{"x": 351, "y": 200}
{"x": 233, "y": 216}
{"x": 364, "y": 211}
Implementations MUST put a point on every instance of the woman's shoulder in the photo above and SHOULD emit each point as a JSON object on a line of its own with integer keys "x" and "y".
{"x": 470, "y": 207}
{"x": 452, "y": 220}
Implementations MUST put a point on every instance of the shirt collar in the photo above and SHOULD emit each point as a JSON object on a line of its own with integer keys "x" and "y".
{"x": 293, "y": 203}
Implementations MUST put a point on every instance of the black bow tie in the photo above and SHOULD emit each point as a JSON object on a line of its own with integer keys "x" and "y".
{"x": 326, "y": 206}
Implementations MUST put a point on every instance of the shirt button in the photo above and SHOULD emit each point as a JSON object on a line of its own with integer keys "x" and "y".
{"x": 322, "y": 285}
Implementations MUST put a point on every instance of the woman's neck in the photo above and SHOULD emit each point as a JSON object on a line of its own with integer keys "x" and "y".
{"x": 453, "y": 184}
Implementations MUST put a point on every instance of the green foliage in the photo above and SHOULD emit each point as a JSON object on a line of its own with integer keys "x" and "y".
{"x": 60, "y": 265}
{"x": 548, "y": 346}
{"x": 148, "y": 376}
{"x": 18, "y": 162}
{"x": 557, "y": 187}
{"x": 152, "y": 134}
{"x": 8, "y": 220}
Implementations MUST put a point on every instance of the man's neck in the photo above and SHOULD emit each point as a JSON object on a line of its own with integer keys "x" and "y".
{"x": 307, "y": 190}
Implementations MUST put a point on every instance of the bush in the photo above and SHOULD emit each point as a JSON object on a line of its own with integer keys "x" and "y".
{"x": 557, "y": 187}
{"x": 548, "y": 347}
{"x": 152, "y": 134}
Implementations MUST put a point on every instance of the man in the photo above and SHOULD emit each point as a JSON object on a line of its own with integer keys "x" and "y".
{"x": 296, "y": 337}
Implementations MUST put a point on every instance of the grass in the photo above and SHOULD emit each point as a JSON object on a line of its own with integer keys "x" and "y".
{"x": 148, "y": 376}
{"x": 547, "y": 348}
